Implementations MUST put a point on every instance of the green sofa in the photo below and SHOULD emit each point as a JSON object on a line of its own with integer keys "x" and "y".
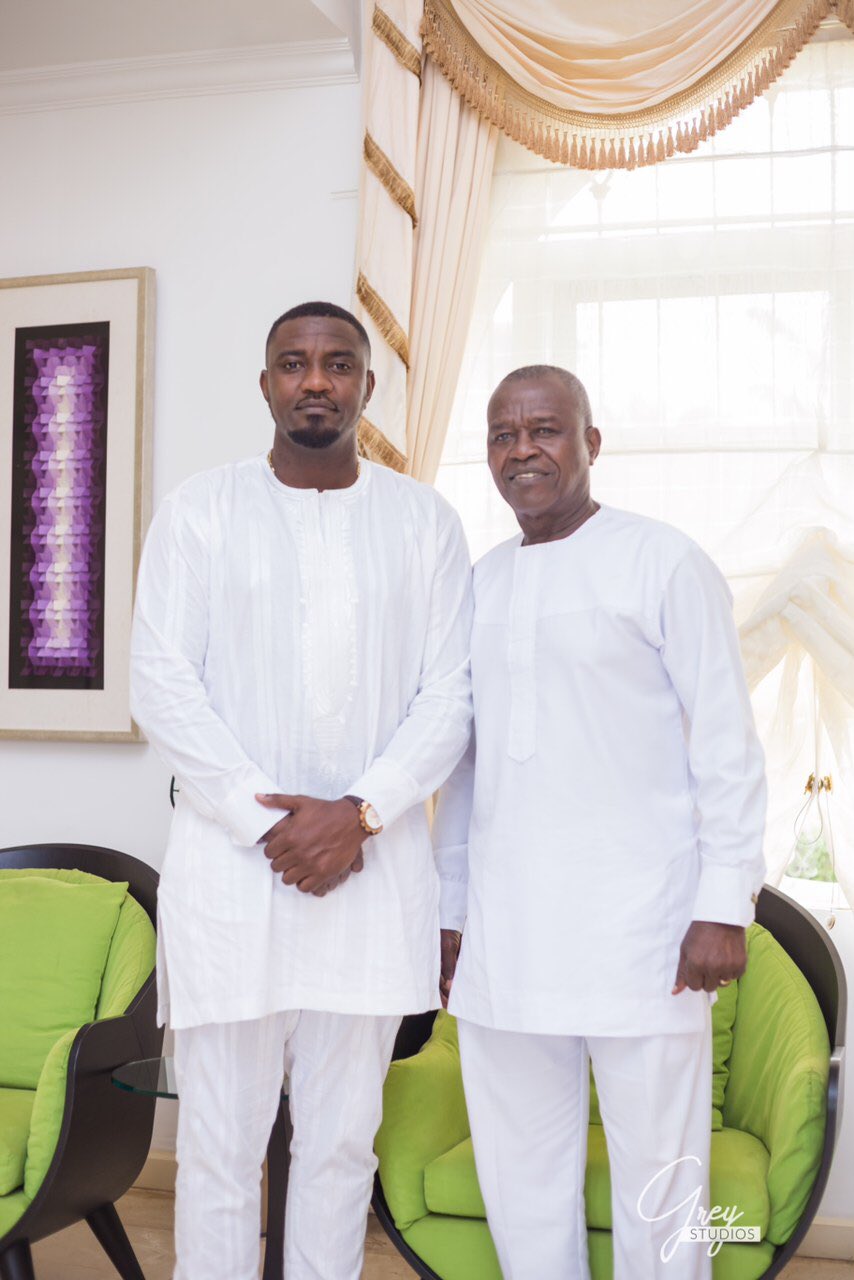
{"x": 775, "y": 1090}
{"x": 77, "y": 999}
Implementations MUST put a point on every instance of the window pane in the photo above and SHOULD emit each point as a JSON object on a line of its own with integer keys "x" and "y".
{"x": 629, "y": 394}
{"x": 801, "y": 119}
{"x": 845, "y": 180}
{"x": 746, "y": 366}
{"x": 750, "y": 131}
{"x": 706, "y": 302}
{"x": 843, "y": 116}
{"x": 689, "y": 356}
{"x": 629, "y": 197}
{"x": 743, "y": 187}
{"x": 685, "y": 191}
{"x": 802, "y": 184}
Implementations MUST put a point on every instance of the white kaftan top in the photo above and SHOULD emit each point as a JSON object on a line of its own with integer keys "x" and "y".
{"x": 305, "y": 642}
{"x": 618, "y": 789}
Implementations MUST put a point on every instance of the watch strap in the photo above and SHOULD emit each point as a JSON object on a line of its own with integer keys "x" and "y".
{"x": 362, "y": 805}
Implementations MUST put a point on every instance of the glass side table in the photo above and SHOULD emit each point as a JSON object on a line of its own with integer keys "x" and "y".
{"x": 155, "y": 1077}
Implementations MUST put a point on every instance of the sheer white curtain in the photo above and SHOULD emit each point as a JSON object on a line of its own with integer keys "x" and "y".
{"x": 708, "y": 305}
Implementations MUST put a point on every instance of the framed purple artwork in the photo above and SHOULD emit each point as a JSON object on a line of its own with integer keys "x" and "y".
{"x": 75, "y": 402}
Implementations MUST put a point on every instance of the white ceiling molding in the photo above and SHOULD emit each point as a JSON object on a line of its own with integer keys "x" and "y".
{"x": 178, "y": 75}
{"x": 345, "y": 14}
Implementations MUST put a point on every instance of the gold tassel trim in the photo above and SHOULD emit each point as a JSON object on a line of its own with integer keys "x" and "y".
{"x": 624, "y": 140}
{"x": 844, "y": 10}
{"x": 383, "y": 318}
{"x": 374, "y": 446}
{"x": 392, "y": 36}
{"x": 397, "y": 187}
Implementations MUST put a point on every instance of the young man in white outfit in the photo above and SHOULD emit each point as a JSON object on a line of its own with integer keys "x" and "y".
{"x": 300, "y": 662}
{"x": 602, "y": 847}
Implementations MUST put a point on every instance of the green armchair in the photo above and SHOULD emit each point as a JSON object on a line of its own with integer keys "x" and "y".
{"x": 77, "y": 947}
{"x": 778, "y": 1055}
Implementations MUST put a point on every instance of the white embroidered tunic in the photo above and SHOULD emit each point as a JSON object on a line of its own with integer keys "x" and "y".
{"x": 305, "y": 642}
{"x": 617, "y": 789}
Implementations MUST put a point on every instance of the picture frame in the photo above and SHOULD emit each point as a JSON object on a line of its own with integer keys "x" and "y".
{"x": 76, "y": 392}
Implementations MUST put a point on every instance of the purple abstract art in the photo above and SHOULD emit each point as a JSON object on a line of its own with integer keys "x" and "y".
{"x": 59, "y": 507}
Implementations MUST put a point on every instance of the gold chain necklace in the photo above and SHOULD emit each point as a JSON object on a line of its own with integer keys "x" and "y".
{"x": 273, "y": 469}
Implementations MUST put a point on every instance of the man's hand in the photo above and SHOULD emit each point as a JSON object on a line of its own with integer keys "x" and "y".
{"x": 450, "y": 951}
{"x": 711, "y": 956}
{"x": 357, "y": 866}
{"x": 317, "y": 844}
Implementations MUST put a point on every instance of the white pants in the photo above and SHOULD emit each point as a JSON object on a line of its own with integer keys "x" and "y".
{"x": 229, "y": 1081}
{"x": 528, "y": 1099}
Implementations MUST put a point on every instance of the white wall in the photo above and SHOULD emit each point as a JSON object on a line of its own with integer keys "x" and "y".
{"x": 244, "y": 204}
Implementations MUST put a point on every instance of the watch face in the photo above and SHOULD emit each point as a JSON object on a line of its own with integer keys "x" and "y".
{"x": 372, "y": 817}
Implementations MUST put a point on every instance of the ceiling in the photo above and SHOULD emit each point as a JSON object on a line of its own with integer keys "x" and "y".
{"x": 43, "y": 33}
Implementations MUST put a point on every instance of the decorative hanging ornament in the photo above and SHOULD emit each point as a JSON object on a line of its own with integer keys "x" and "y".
{"x": 813, "y": 857}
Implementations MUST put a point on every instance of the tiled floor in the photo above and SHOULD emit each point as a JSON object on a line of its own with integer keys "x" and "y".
{"x": 147, "y": 1215}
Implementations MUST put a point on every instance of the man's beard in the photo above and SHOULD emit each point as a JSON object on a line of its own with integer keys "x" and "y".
{"x": 315, "y": 438}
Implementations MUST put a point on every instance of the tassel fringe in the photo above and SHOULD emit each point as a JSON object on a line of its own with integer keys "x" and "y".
{"x": 383, "y": 318}
{"x": 396, "y": 186}
{"x": 625, "y": 141}
{"x": 845, "y": 13}
{"x": 392, "y": 36}
{"x": 374, "y": 446}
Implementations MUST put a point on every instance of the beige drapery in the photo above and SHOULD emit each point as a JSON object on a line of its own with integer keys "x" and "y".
{"x": 590, "y": 85}
{"x": 618, "y": 85}
{"x": 799, "y": 638}
{"x": 456, "y": 153}
{"x": 387, "y": 216}
{"x": 425, "y": 194}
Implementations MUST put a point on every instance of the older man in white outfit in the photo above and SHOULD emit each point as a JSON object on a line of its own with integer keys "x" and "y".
{"x": 601, "y": 847}
{"x": 300, "y": 662}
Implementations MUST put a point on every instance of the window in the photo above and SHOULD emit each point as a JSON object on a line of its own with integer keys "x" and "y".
{"x": 707, "y": 303}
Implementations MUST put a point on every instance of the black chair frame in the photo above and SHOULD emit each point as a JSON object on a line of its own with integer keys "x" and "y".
{"x": 810, "y": 947}
{"x": 106, "y": 1133}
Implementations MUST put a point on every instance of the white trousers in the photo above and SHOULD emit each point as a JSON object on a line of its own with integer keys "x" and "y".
{"x": 528, "y": 1102}
{"x": 229, "y": 1080}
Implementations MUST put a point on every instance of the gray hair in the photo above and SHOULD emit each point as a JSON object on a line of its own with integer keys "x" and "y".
{"x": 531, "y": 371}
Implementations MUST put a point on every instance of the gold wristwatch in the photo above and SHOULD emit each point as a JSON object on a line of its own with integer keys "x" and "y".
{"x": 368, "y": 815}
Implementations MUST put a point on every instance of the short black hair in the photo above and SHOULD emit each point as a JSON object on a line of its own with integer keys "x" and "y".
{"x": 321, "y": 309}
{"x": 529, "y": 371}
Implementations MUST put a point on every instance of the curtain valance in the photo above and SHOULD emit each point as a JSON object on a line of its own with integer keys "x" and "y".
{"x": 617, "y": 85}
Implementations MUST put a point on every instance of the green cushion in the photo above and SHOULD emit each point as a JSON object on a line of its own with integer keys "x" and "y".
{"x": 131, "y": 959}
{"x": 424, "y": 1115}
{"x": 743, "y": 1261}
{"x": 600, "y": 1251}
{"x": 779, "y": 1065}
{"x": 734, "y": 1262}
{"x": 65, "y": 875}
{"x": 12, "y": 1208}
{"x": 723, "y": 1018}
{"x": 54, "y": 941}
{"x": 456, "y": 1248}
{"x": 462, "y": 1249}
{"x": 451, "y": 1186}
{"x": 48, "y": 1110}
{"x": 132, "y": 950}
{"x": 739, "y": 1172}
{"x": 15, "y": 1108}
